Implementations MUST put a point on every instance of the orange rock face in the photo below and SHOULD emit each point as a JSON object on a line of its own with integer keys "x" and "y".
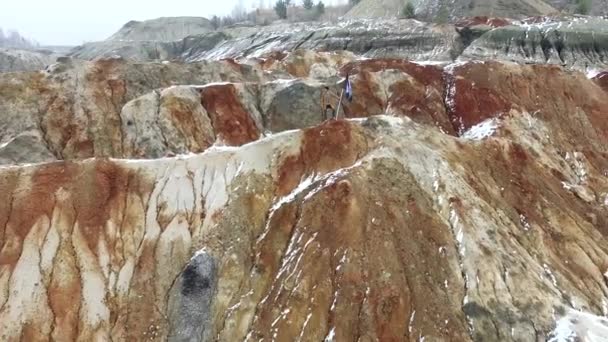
{"x": 229, "y": 117}
{"x": 99, "y": 120}
{"x": 75, "y": 109}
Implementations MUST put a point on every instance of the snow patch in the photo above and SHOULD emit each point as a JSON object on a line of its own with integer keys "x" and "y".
{"x": 481, "y": 130}
{"x": 212, "y": 84}
{"x": 524, "y": 222}
{"x": 411, "y": 325}
{"x": 580, "y": 326}
{"x": 331, "y": 336}
{"x": 550, "y": 274}
{"x": 199, "y": 252}
{"x": 591, "y": 73}
{"x": 425, "y": 62}
{"x": 304, "y": 326}
{"x": 435, "y": 181}
{"x": 577, "y": 163}
{"x": 330, "y": 179}
{"x": 283, "y": 81}
{"x": 567, "y": 186}
{"x": 292, "y": 195}
{"x": 450, "y": 68}
{"x": 342, "y": 261}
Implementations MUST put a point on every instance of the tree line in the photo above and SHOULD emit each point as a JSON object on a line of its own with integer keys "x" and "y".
{"x": 12, "y": 39}
{"x": 295, "y": 10}
{"x": 306, "y": 10}
{"x": 582, "y": 6}
{"x": 281, "y": 8}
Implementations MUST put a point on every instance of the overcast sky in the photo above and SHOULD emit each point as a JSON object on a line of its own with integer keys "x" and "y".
{"x": 72, "y": 22}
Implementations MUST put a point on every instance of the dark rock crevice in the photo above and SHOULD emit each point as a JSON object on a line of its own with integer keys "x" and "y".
{"x": 191, "y": 300}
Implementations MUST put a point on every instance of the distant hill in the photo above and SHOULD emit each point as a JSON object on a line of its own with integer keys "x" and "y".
{"x": 24, "y": 60}
{"x": 163, "y": 29}
{"x": 431, "y": 9}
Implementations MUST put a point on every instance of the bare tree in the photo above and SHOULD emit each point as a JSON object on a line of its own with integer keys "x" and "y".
{"x": 238, "y": 12}
{"x": 583, "y": 6}
{"x": 408, "y": 11}
{"x": 215, "y": 22}
{"x": 13, "y": 39}
{"x": 308, "y": 4}
{"x": 280, "y": 7}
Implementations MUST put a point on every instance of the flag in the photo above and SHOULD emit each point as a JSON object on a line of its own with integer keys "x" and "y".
{"x": 348, "y": 89}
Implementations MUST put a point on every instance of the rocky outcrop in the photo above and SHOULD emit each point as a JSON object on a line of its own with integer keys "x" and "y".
{"x": 73, "y": 109}
{"x": 378, "y": 229}
{"x": 149, "y": 50}
{"x": 373, "y": 38}
{"x": 162, "y": 29}
{"x": 126, "y": 110}
{"x": 12, "y": 60}
{"x": 577, "y": 42}
{"x": 154, "y": 40}
{"x": 432, "y": 10}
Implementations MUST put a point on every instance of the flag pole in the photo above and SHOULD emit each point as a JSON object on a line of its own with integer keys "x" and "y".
{"x": 340, "y": 104}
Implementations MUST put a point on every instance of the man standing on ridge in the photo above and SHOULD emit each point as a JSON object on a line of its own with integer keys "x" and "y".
{"x": 327, "y": 110}
{"x": 327, "y": 96}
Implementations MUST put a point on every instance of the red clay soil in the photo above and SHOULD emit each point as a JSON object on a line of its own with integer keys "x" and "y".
{"x": 420, "y": 104}
{"x": 41, "y": 196}
{"x": 107, "y": 184}
{"x": 230, "y": 119}
{"x": 471, "y": 104}
{"x": 327, "y": 147}
{"x": 364, "y": 246}
{"x": 366, "y": 102}
{"x": 420, "y": 99}
{"x": 478, "y": 91}
{"x": 425, "y": 74}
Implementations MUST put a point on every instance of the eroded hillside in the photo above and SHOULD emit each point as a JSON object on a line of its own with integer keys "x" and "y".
{"x": 463, "y": 201}
{"x": 576, "y": 42}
